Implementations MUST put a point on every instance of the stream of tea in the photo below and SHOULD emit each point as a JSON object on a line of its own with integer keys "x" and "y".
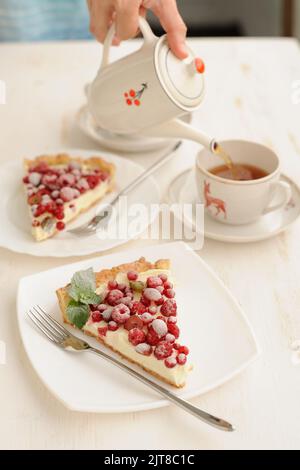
{"x": 219, "y": 150}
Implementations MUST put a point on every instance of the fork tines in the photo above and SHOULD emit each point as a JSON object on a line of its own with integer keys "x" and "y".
{"x": 47, "y": 325}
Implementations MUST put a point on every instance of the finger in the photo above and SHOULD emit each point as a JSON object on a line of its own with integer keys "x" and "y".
{"x": 101, "y": 16}
{"x": 127, "y": 18}
{"x": 173, "y": 24}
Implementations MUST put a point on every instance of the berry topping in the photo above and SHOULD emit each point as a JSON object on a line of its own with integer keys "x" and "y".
{"x": 173, "y": 329}
{"x": 163, "y": 350}
{"x": 102, "y": 330}
{"x": 152, "y": 309}
{"x": 154, "y": 281}
{"x": 163, "y": 277}
{"x": 168, "y": 285}
{"x": 152, "y": 337}
{"x": 67, "y": 194}
{"x": 133, "y": 322}
{"x": 34, "y": 178}
{"x": 146, "y": 317}
{"x": 170, "y": 338}
{"x": 170, "y": 293}
{"x": 145, "y": 301}
{"x": 120, "y": 313}
{"x": 113, "y": 296}
{"x": 112, "y": 326}
{"x": 138, "y": 308}
{"x": 181, "y": 359}
{"x": 101, "y": 307}
{"x": 160, "y": 289}
{"x": 183, "y": 350}
{"x": 170, "y": 362}
{"x": 112, "y": 284}
{"x": 132, "y": 275}
{"x": 144, "y": 348}
{"x": 136, "y": 336}
{"x": 160, "y": 327}
{"x": 60, "y": 225}
{"x": 106, "y": 314}
{"x": 96, "y": 316}
{"x": 169, "y": 308}
{"x": 121, "y": 287}
{"x": 151, "y": 294}
{"x": 172, "y": 319}
{"x": 125, "y": 300}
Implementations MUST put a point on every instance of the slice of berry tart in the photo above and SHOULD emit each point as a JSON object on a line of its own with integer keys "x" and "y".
{"x": 132, "y": 310}
{"x": 59, "y": 187}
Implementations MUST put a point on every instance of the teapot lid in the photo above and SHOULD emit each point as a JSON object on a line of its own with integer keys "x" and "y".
{"x": 182, "y": 80}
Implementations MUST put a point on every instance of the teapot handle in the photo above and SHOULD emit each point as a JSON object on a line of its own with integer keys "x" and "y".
{"x": 149, "y": 38}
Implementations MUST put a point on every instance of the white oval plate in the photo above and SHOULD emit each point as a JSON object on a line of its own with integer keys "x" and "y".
{"x": 212, "y": 323}
{"x": 183, "y": 190}
{"x": 15, "y": 224}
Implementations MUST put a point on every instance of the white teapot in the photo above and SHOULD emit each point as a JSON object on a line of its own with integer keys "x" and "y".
{"x": 144, "y": 92}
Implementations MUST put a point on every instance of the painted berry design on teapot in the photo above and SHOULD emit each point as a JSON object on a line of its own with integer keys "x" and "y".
{"x": 134, "y": 97}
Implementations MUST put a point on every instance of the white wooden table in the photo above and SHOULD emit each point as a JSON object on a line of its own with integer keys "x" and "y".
{"x": 249, "y": 95}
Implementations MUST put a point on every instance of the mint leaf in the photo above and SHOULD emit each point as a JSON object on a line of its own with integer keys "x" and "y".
{"x": 83, "y": 286}
{"x": 78, "y": 313}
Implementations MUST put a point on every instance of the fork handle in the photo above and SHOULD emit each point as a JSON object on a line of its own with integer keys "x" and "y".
{"x": 200, "y": 414}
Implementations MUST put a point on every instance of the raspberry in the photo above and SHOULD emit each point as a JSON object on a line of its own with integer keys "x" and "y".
{"x": 173, "y": 329}
{"x": 96, "y": 316}
{"x": 126, "y": 301}
{"x": 132, "y": 275}
{"x": 159, "y": 301}
{"x": 160, "y": 289}
{"x": 176, "y": 346}
{"x": 169, "y": 307}
{"x": 146, "y": 317}
{"x": 67, "y": 194}
{"x": 112, "y": 285}
{"x": 136, "y": 336}
{"x": 168, "y": 285}
{"x": 152, "y": 309}
{"x": 170, "y": 293}
{"x": 112, "y": 326}
{"x": 26, "y": 179}
{"x": 163, "y": 277}
{"x": 183, "y": 350}
{"x": 170, "y": 338}
{"x": 93, "y": 181}
{"x": 120, "y": 313}
{"x": 144, "y": 348}
{"x": 151, "y": 294}
{"x": 163, "y": 350}
{"x": 160, "y": 327}
{"x": 121, "y": 287}
{"x": 172, "y": 319}
{"x": 145, "y": 301}
{"x": 101, "y": 307}
{"x": 34, "y": 178}
{"x": 133, "y": 322}
{"x": 170, "y": 362}
{"x": 138, "y": 308}
{"x": 102, "y": 331}
{"x": 181, "y": 359}
{"x": 154, "y": 281}
{"x": 152, "y": 337}
{"x": 106, "y": 314}
{"x": 113, "y": 296}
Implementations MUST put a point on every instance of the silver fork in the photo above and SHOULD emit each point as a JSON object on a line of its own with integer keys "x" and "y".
{"x": 62, "y": 338}
{"x": 90, "y": 227}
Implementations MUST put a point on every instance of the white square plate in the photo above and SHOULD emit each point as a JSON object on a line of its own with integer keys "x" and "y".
{"x": 212, "y": 323}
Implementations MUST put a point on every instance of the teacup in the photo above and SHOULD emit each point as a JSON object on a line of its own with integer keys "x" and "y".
{"x": 241, "y": 202}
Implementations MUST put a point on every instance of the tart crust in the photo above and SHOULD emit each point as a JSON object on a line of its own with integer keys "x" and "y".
{"x": 104, "y": 276}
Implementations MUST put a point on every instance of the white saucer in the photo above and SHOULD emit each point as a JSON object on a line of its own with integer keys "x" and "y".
{"x": 121, "y": 143}
{"x": 183, "y": 190}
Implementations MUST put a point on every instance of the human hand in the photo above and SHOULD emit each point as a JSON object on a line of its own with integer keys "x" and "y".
{"x": 126, "y": 12}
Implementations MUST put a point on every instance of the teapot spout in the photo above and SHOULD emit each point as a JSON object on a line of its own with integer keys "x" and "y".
{"x": 178, "y": 129}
